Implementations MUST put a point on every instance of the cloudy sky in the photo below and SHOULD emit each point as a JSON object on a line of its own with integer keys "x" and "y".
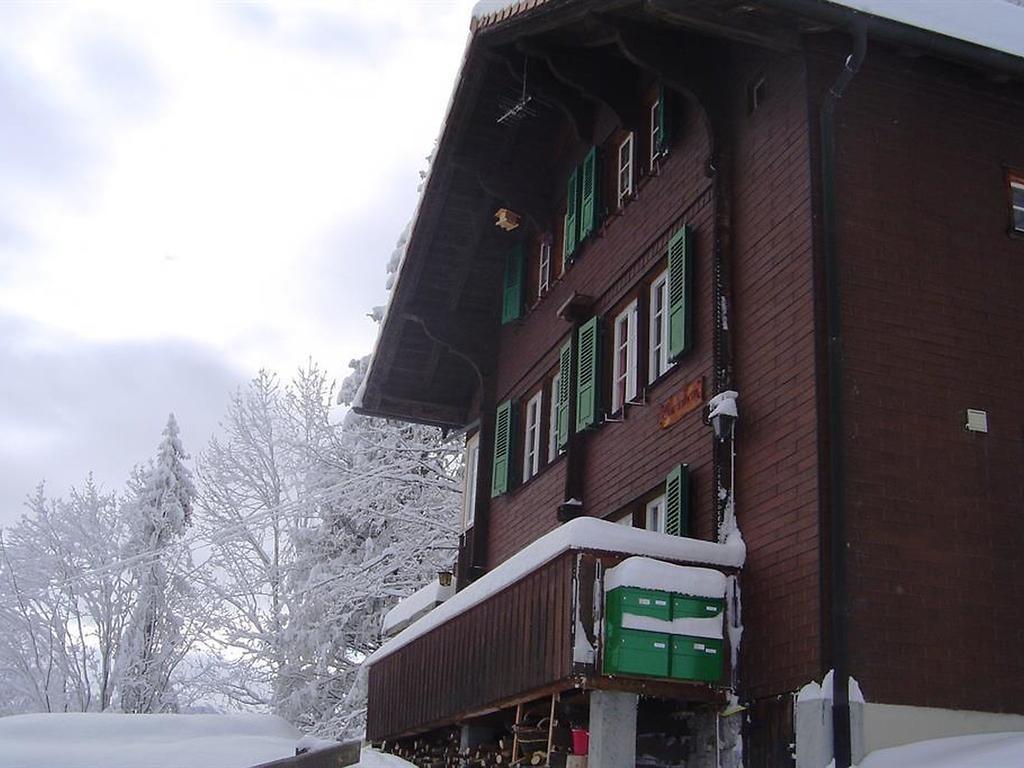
{"x": 189, "y": 192}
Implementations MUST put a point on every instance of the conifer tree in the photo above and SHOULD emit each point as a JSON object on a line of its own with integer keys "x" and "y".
{"x": 154, "y": 642}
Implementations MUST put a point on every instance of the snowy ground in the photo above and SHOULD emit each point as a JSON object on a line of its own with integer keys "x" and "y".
{"x": 988, "y": 750}
{"x": 145, "y": 741}
{"x": 371, "y": 758}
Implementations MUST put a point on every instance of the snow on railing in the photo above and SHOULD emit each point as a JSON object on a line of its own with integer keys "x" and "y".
{"x": 584, "y": 533}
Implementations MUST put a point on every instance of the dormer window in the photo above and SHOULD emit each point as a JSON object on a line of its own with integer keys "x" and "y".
{"x": 1017, "y": 203}
{"x": 625, "y": 187}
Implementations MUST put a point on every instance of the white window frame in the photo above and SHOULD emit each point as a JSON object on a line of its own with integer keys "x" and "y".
{"x": 657, "y": 329}
{"x": 469, "y": 478}
{"x": 553, "y": 418}
{"x": 654, "y": 515}
{"x": 655, "y": 133}
{"x": 625, "y": 166}
{"x": 544, "y": 268}
{"x": 531, "y": 445}
{"x": 1016, "y": 185}
{"x": 624, "y": 338}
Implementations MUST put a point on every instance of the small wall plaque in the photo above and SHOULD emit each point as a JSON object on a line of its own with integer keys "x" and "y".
{"x": 686, "y": 400}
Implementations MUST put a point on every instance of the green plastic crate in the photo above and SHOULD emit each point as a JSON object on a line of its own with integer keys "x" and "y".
{"x": 635, "y": 652}
{"x": 686, "y": 607}
{"x": 696, "y": 658}
{"x": 638, "y": 602}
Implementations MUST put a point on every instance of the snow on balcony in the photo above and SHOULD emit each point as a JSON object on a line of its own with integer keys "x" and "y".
{"x": 585, "y": 533}
{"x": 415, "y": 606}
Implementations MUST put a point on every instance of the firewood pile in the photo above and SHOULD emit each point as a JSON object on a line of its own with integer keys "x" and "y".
{"x": 536, "y": 737}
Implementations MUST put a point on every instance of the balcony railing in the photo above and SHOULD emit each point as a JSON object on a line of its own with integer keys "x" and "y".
{"x": 528, "y": 628}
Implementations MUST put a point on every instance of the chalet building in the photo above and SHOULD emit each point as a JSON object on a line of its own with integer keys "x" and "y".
{"x": 726, "y": 298}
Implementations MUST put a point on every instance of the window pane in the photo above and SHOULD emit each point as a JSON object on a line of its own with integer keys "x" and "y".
{"x": 1017, "y": 192}
{"x": 1018, "y": 219}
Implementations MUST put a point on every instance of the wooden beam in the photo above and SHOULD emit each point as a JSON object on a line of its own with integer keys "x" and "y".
{"x": 608, "y": 80}
{"x": 681, "y": 690}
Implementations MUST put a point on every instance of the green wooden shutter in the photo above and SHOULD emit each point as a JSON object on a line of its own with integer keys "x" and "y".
{"x": 504, "y": 429}
{"x": 562, "y": 404}
{"x": 590, "y": 189}
{"x": 512, "y": 301}
{"x": 663, "y": 123}
{"x": 677, "y": 501}
{"x": 571, "y": 217}
{"x": 680, "y": 293}
{"x": 588, "y": 374}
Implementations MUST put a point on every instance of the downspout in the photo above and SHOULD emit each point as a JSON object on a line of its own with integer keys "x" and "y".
{"x": 837, "y": 529}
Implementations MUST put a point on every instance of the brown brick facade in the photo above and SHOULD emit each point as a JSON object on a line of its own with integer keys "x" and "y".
{"x": 932, "y": 288}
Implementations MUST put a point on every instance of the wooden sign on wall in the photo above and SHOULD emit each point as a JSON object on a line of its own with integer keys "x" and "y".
{"x": 686, "y": 400}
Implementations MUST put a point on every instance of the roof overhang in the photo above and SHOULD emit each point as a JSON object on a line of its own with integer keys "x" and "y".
{"x": 436, "y": 345}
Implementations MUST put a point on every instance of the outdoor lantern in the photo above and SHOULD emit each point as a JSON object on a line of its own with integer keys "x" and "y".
{"x": 722, "y": 413}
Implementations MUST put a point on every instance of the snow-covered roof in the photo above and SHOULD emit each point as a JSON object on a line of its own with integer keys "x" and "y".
{"x": 995, "y": 24}
{"x": 95, "y": 740}
{"x": 582, "y": 533}
{"x": 416, "y": 605}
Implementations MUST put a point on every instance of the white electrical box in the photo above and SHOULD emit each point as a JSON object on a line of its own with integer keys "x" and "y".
{"x": 977, "y": 421}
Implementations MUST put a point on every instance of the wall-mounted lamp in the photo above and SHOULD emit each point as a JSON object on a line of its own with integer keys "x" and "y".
{"x": 506, "y": 219}
{"x": 722, "y": 413}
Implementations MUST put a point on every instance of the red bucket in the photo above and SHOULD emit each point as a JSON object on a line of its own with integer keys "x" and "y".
{"x": 580, "y": 741}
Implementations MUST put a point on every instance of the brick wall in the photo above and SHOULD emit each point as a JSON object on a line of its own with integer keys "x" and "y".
{"x": 932, "y": 288}
{"x": 773, "y": 319}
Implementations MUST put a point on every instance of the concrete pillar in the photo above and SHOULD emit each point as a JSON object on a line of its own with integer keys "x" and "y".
{"x": 612, "y": 729}
{"x": 813, "y": 723}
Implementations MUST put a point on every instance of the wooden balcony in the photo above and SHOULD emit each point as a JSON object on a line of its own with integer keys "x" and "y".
{"x": 527, "y": 639}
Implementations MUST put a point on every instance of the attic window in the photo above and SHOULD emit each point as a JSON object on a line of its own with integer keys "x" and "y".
{"x": 756, "y": 94}
{"x": 1017, "y": 203}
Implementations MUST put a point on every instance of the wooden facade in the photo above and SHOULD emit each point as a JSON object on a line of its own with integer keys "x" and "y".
{"x": 514, "y": 644}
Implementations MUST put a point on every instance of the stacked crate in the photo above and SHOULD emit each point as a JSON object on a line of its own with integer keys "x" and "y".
{"x": 664, "y": 620}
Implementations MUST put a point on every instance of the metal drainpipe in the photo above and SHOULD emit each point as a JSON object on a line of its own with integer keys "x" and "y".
{"x": 837, "y": 531}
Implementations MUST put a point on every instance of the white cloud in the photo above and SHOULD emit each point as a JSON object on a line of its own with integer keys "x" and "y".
{"x": 192, "y": 191}
{"x": 261, "y": 132}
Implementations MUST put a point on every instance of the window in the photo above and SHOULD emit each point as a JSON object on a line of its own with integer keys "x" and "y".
{"x": 553, "y": 419}
{"x": 472, "y": 459}
{"x": 624, "y": 358}
{"x": 531, "y": 445}
{"x": 658, "y": 330}
{"x": 544, "y": 268}
{"x": 1017, "y": 203}
{"x": 655, "y": 517}
{"x": 625, "y": 170}
{"x": 655, "y": 131}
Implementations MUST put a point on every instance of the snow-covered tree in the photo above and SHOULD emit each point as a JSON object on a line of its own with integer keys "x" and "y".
{"x": 63, "y": 601}
{"x": 158, "y": 633}
{"x": 387, "y": 499}
{"x": 252, "y": 505}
